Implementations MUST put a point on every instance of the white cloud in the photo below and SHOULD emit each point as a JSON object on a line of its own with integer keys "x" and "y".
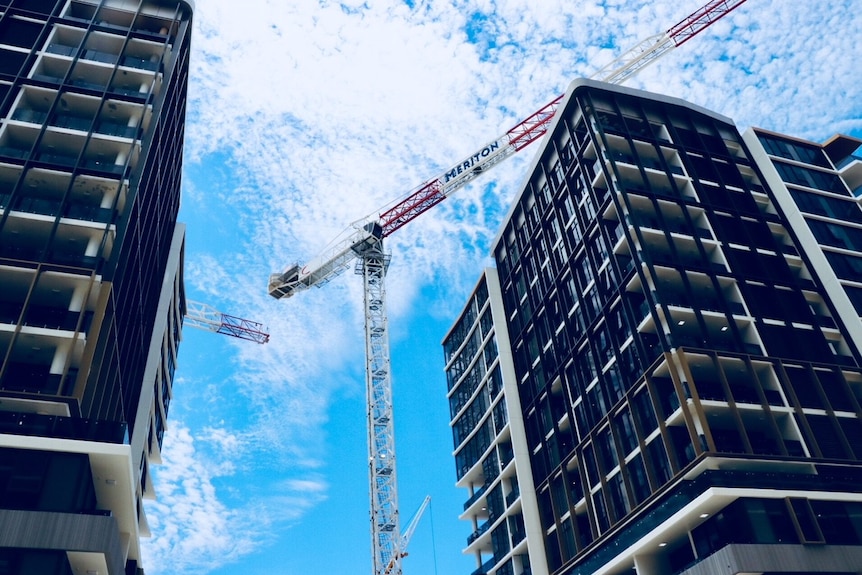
{"x": 198, "y": 526}
{"x": 195, "y": 531}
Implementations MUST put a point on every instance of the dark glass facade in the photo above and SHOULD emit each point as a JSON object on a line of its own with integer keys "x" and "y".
{"x": 92, "y": 112}
{"x": 482, "y": 437}
{"x": 674, "y": 336}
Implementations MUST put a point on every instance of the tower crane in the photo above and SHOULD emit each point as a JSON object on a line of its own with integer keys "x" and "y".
{"x": 363, "y": 241}
{"x": 206, "y": 317}
{"x": 408, "y": 534}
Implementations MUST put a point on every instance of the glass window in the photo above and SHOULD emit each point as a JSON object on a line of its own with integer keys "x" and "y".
{"x": 576, "y": 487}
{"x": 552, "y": 550}
{"x": 589, "y": 461}
{"x": 658, "y": 460}
{"x": 806, "y": 389}
{"x": 602, "y": 518}
{"x": 607, "y": 452}
{"x": 805, "y": 520}
{"x": 770, "y": 521}
{"x": 793, "y": 151}
{"x": 625, "y": 431}
{"x": 585, "y": 535}
{"x": 846, "y": 267}
{"x": 500, "y": 541}
{"x": 643, "y": 409}
{"x": 811, "y": 178}
{"x": 840, "y": 522}
{"x": 567, "y": 534}
{"x": 827, "y": 436}
{"x": 838, "y": 208}
{"x": 619, "y": 498}
{"x": 558, "y": 495}
{"x": 546, "y": 511}
{"x": 855, "y": 295}
{"x": 638, "y": 479}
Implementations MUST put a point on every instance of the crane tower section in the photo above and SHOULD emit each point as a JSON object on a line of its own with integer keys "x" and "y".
{"x": 378, "y": 387}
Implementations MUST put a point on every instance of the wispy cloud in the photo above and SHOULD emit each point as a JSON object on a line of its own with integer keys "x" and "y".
{"x": 200, "y": 526}
{"x": 196, "y": 530}
{"x": 306, "y": 115}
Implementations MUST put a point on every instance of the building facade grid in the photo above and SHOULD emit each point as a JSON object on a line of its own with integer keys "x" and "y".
{"x": 92, "y": 113}
{"x": 674, "y": 334}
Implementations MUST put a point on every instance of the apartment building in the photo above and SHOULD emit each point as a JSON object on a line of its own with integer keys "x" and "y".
{"x": 679, "y": 304}
{"x": 92, "y": 111}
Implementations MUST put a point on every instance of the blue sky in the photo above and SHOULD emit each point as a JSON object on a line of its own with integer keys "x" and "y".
{"x": 307, "y": 115}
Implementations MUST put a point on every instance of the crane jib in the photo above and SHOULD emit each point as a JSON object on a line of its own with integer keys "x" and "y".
{"x": 476, "y": 158}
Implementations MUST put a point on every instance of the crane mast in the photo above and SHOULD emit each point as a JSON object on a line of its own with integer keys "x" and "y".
{"x": 378, "y": 386}
{"x": 363, "y": 240}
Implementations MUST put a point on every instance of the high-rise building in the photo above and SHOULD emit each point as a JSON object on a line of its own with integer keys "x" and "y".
{"x": 674, "y": 323}
{"x": 491, "y": 457}
{"x": 92, "y": 111}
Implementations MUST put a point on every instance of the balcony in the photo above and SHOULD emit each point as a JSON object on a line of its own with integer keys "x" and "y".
{"x": 35, "y": 378}
{"x": 14, "y": 152}
{"x": 486, "y": 567}
{"x": 33, "y": 424}
{"x": 80, "y": 123}
{"x": 475, "y": 497}
{"x": 29, "y": 116}
{"x": 513, "y": 496}
{"x": 48, "y": 207}
{"x": 56, "y": 257}
{"x": 134, "y": 85}
{"x": 478, "y": 532}
{"x": 851, "y": 172}
{"x": 105, "y": 48}
{"x": 44, "y": 317}
{"x": 61, "y": 49}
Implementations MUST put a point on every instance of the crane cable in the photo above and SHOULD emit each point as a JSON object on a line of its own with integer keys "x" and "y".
{"x": 433, "y": 541}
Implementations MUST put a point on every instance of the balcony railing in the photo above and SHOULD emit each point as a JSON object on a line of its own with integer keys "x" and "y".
{"x": 33, "y": 424}
{"x": 483, "y": 528}
{"x": 82, "y": 123}
{"x": 475, "y": 497}
{"x": 46, "y": 207}
{"x": 117, "y": 129}
{"x": 133, "y": 91}
{"x": 61, "y": 49}
{"x": 14, "y": 152}
{"x": 513, "y": 496}
{"x": 99, "y": 56}
{"x": 30, "y": 378}
{"x": 140, "y": 63}
{"x": 31, "y": 116}
{"x": 486, "y": 567}
{"x": 56, "y": 257}
{"x": 104, "y": 57}
{"x": 45, "y": 317}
